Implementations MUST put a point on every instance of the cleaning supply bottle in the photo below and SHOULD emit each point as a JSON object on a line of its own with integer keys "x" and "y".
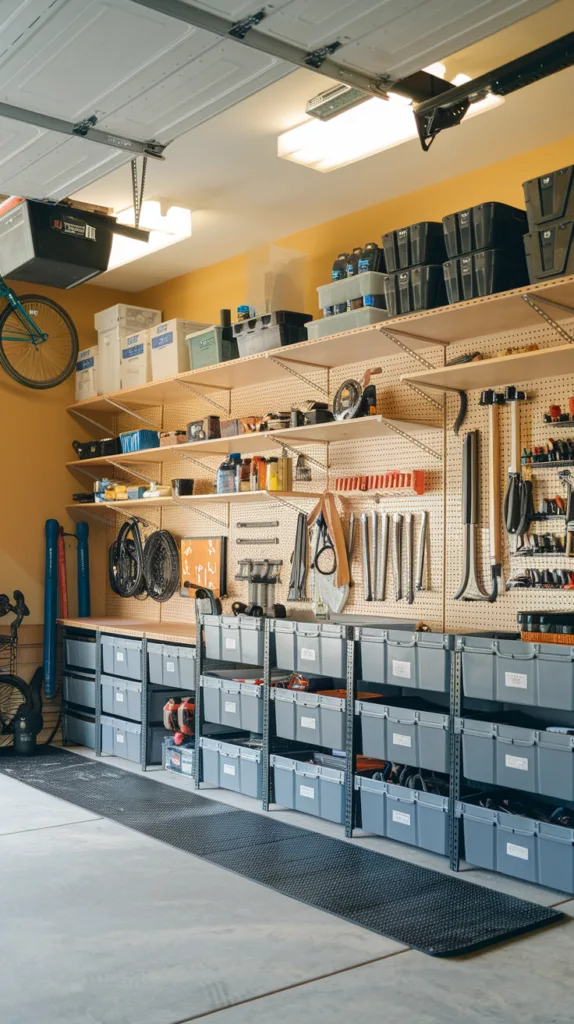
{"x": 262, "y": 474}
{"x": 285, "y": 471}
{"x": 244, "y": 475}
{"x": 371, "y": 258}
{"x": 352, "y": 265}
{"x": 226, "y": 480}
{"x": 340, "y": 267}
{"x": 273, "y": 474}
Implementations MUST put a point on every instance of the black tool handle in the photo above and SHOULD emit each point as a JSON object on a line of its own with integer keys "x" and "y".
{"x": 466, "y": 480}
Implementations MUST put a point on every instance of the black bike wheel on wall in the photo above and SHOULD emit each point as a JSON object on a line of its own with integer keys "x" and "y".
{"x": 45, "y": 365}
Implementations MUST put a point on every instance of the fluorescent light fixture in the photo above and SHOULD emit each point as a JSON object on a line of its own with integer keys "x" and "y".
{"x": 362, "y": 131}
{"x": 164, "y": 231}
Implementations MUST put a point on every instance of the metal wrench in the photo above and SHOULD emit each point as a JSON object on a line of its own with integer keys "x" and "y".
{"x": 398, "y": 554}
{"x": 367, "y": 590}
{"x": 409, "y": 546}
{"x": 422, "y": 551}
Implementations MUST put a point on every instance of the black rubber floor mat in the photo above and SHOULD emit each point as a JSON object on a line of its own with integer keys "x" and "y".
{"x": 433, "y": 912}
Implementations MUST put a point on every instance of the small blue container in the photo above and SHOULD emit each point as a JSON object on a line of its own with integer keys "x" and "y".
{"x": 137, "y": 440}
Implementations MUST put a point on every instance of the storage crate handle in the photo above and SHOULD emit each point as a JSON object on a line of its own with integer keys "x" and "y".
{"x": 397, "y": 643}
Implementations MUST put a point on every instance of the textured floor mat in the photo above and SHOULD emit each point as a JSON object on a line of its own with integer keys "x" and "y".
{"x": 436, "y": 913}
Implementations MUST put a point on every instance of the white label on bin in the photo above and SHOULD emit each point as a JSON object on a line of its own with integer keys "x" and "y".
{"x": 229, "y": 769}
{"x": 230, "y": 706}
{"x": 516, "y": 680}
{"x": 230, "y": 643}
{"x": 516, "y": 762}
{"x": 170, "y": 666}
{"x": 119, "y": 738}
{"x": 119, "y": 655}
{"x": 307, "y": 791}
{"x": 517, "y": 851}
{"x": 400, "y": 740}
{"x": 401, "y": 817}
{"x": 402, "y": 669}
{"x": 307, "y": 654}
{"x": 120, "y": 697}
{"x": 308, "y": 723}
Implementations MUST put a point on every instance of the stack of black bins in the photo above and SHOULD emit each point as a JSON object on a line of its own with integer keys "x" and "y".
{"x": 407, "y": 725}
{"x": 414, "y": 256}
{"x": 486, "y": 252}
{"x": 550, "y": 207}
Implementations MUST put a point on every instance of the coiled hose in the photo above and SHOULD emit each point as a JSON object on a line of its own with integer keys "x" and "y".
{"x": 126, "y": 562}
{"x": 161, "y": 566}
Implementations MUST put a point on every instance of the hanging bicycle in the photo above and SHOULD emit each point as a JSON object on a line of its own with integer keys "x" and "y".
{"x": 38, "y": 340}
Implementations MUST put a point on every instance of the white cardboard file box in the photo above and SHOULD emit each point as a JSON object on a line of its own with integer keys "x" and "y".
{"x": 135, "y": 360}
{"x": 169, "y": 352}
{"x": 128, "y": 319}
{"x": 87, "y": 378}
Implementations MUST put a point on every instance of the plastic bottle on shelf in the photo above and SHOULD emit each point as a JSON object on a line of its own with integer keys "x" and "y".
{"x": 244, "y": 475}
{"x": 352, "y": 266}
{"x": 285, "y": 471}
{"x": 262, "y": 474}
{"x": 273, "y": 474}
{"x": 226, "y": 480}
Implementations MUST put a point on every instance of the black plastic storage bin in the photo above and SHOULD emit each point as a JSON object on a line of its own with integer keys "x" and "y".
{"x": 550, "y": 198}
{"x": 97, "y": 449}
{"x": 412, "y": 246}
{"x": 550, "y": 252}
{"x": 486, "y": 226}
{"x": 272, "y": 330}
{"x": 484, "y": 273}
{"x": 407, "y": 291}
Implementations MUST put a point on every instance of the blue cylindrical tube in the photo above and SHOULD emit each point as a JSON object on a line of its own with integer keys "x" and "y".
{"x": 82, "y": 532}
{"x": 50, "y": 607}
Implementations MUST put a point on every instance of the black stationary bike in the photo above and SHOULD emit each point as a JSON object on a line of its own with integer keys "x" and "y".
{"x": 20, "y": 702}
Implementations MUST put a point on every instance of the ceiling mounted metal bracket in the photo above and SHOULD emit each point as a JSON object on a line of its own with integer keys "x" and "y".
{"x": 200, "y": 394}
{"x": 240, "y": 29}
{"x": 317, "y": 58}
{"x": 295, "y": 373}
{"x": 548, "y": 319}
{"x": 81, "y": 130}
{"x": 130, "y": 412}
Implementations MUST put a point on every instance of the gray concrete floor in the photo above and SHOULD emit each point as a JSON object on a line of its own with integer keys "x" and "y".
{"x": 100, "y": 925}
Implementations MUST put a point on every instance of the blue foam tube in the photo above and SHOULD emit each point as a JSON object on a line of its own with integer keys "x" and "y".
{"x": 82, "y": 532}
{"x": 50, "y": 607}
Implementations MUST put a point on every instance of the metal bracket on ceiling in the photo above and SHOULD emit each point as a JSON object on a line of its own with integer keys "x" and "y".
{"x": 420, "y": 359}
{"x": 138, "y": 192}
{"x": 300, "y": 376}
{"x": 81, "y": 130}
{"x": 200, "y": 394}
{"x": 414, "y": 440}
{"x": 296, "y": 451}
{"x": 316, "y": 58}
{"x": 548, "y": 319}
{"x": 124, "y": 467}
{"x": 201, "y": 511}
{"x": 130, "y": 412}
{"x": 240, "y": 28}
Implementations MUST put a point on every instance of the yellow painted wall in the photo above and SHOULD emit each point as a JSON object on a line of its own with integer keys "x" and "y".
{"x": 36, "y": 434}
{"x": 202, "y": 293}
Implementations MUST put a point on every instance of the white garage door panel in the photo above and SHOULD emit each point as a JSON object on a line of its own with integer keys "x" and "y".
{"x": 17, "y": 17}
{"x": 237, "y": 9}
{"x": 311, "y": 23}
{"x": 51, "y": 165}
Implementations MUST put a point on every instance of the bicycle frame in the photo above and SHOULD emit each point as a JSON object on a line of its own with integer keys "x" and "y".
{"x": 35, "y": 334}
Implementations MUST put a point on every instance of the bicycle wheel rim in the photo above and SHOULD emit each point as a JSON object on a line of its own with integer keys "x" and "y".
{"x": 11, "y": 698}
{"x": 47, "y": 363}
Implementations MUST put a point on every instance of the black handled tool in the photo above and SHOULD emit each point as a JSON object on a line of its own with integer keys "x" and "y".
{"x": 470, "y": 589}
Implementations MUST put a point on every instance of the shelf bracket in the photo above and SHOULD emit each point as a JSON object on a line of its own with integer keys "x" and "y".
{"x": 297, "y": 451}
{"x": 197, "y": 462}
{"x": 126, "y": 468}
{"x": 88, "y": 419}
{"x": 420, "y": 359}
{"x": 124, "y": 512}
{"x": 202, "y": 512}
{"x": 200, "y": 394}
{"x": 295, "y": 373}
{"x": 414, "y": 440}
{"x": 548, "y": 319}
{"x": 130, "y": 412}
{"x": 87, "y": 472}
{"x": 291, "y": 504}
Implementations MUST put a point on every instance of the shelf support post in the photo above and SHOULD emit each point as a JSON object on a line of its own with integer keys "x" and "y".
{"x": 548, "y": 319}
{"x": 88, "y": 419}
{"x": 296, "y": 451}
{"x": 202, "y": 512}
{"x": 414, "y": 440}
{"x": 130, "y": 412}
{"x": 295, "y": 373}
{"x": 350, "y": 727}
{"x": 200, "y": 394}
{"x": 127, "y": 468}
{"x": 420, "y": 359}
{"x": 455, "y": 775}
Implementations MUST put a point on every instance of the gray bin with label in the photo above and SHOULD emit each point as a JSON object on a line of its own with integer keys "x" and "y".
{"x": 231, "y": 766}
{"x": 398, "y": 657}
{"x": 404, "y": 735}
{"x": 237, "y": 638}
{"x": 123, "y": 739}
{"x": 233, "y": 702}
{"x": 310, "y": 647}
{"x": 122, "y": 657}
{"x": 533, "y": 760}
{"x": 522, "y": 847}
{"x": 406, "y": 815}
{"x": 172, "y": 665}
{"x": 517, "y": 672}
{"x": 79, "y": 730}
{"x": 78, "y": 689}
{"x": 309, "y": 787}
{"x": 310, "y": 718}
{"x": 123, "y": 698}
{"x": 79, "y": 653}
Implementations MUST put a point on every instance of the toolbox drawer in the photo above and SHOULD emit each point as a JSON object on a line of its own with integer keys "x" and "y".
{"x": 309, "y": 787}
{"x": 123, "y": 739}
{"x": 233, "y": 703}
{"x": 308, "y": 647}
{"x": 79, "y": 730}
{"x": 80, "y": 653}
{"x": 534, "y": 851}
{"x": 517, "y": 672}
{"x": 406, "y": 815}
{"x": 234, "y": 638}
{"x": 78, "y": 689}
{"x": 122, "y": 657}
{"x": 398, "y": 657}
{"x": 310, "y": 718}
{"x": 533, "y": 760}
{"x": 231, "y": 766}
{"x": 123, "y": 698}
{"x": 405, "y": 735}
{"x": 172, "y": 665}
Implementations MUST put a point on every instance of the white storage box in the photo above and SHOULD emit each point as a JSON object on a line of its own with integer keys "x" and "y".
{"x": 363, "y": 317}
{"x": 370, "y": 282}
{"x": 135, "y": 360}
{"x": 87, "y": 379}
{"x": 109, "y": 350}
{"x": 129, "y": 319}
{"x": 169, "y": 352}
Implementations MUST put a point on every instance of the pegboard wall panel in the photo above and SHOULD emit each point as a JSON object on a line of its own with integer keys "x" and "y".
{"x": 501, "y": 615}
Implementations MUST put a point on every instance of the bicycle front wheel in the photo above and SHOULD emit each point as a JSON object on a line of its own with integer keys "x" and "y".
{"x": 29, "y": 361}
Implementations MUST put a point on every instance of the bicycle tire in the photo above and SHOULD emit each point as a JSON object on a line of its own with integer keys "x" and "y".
{"x": 13, "y": 693}
{"x": 70, "y": 342}
{"x": 161, "y": 566}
